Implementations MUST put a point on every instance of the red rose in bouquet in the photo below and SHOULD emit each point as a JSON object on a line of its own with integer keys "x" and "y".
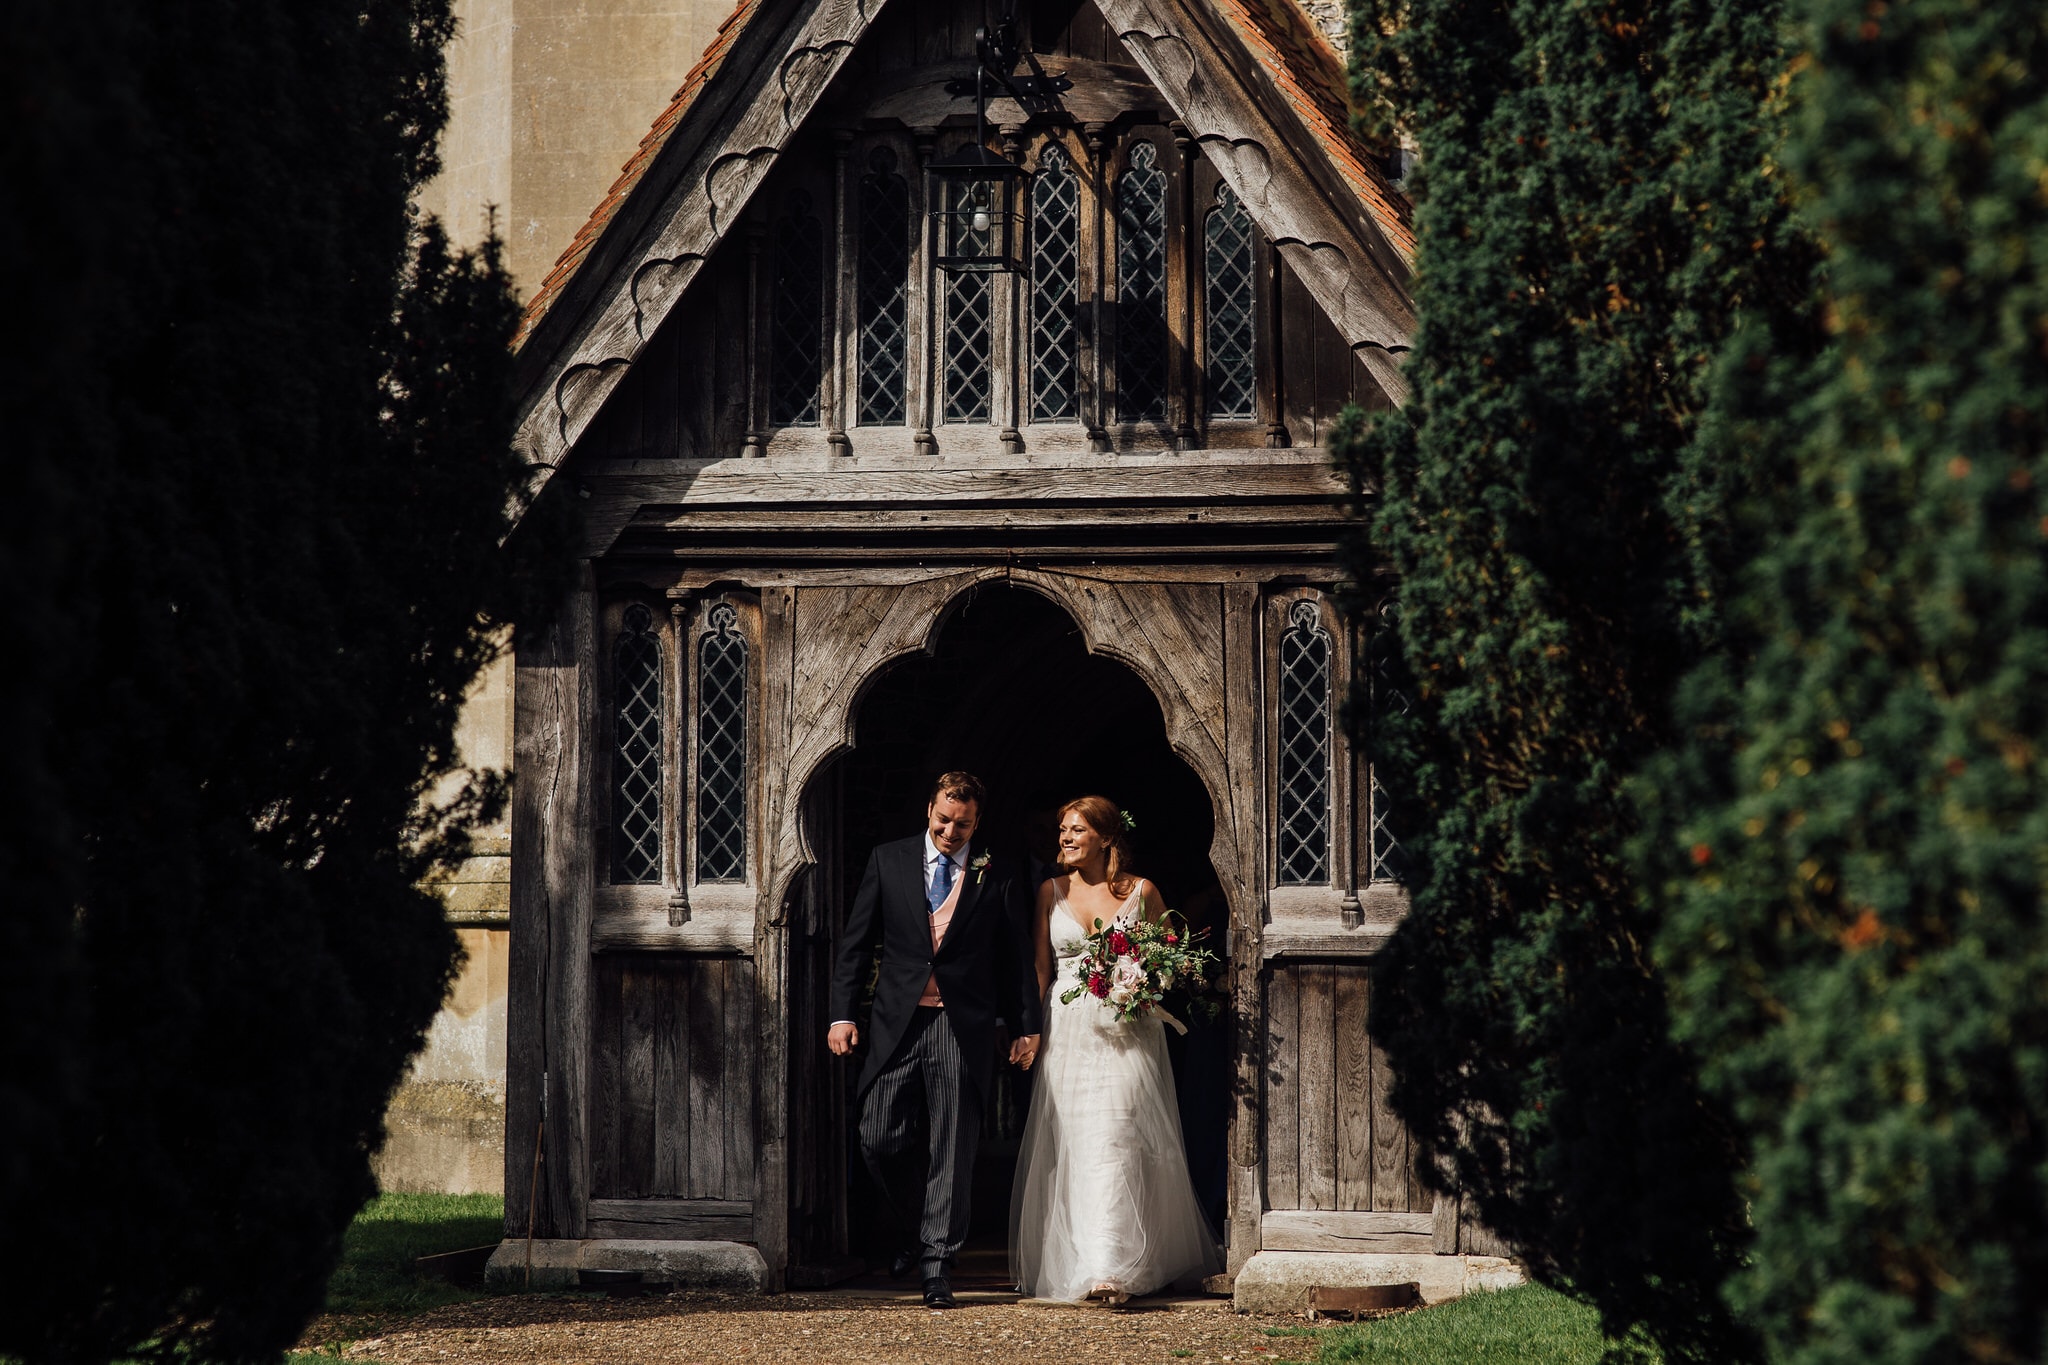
{"x": 1131, "y": 969}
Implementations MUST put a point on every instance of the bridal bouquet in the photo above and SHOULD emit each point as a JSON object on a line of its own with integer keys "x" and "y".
{"x": 1131, "y": 969}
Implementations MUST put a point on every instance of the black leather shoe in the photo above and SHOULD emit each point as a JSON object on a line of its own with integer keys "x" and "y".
{"x": 938, "y": 1293}
{"x": 905, "y": 1262}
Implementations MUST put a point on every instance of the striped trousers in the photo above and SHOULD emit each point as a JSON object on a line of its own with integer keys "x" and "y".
{"x": 923, "y": 1092}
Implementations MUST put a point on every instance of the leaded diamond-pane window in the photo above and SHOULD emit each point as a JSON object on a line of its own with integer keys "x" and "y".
{"x": 1055, "y": 286}
{"x": 796, "y": 337}
{"x": 722, "y": 749}
{"x": 1228, "y": 338}
{"x": 636, "y": 750}
{"x": 882, "y": 287}
{"x": 970, "y": 341}
{"x": 1389, "y": 861}
{"x": 1141, "y": 337}
{"x": 1304, "y": 825}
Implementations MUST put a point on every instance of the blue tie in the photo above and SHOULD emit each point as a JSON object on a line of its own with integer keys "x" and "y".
{"x": 942, "y": 885}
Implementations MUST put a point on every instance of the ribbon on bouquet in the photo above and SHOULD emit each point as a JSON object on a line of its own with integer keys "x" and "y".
{"x": 1178, "y": 1026}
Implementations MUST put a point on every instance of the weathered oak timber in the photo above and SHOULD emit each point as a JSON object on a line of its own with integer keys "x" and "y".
{"x": 548, "y": 1034}
{"x": 687, "y": 1220}
{"x": 1352, "y": 1074}
{"x": 1244, "y": 762}
{"x": 1316, "y": 1065}
{"x": 1407, "y": 1234}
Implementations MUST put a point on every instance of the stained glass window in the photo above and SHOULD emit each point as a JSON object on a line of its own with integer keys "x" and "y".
{"x": 1304, "y": 824}
{"x": 796, "y": 339}
{"x": 882, "y": 284}
{"x": 970, "y": 337}
{"x": 1055, "y": 286}
{"x": 1228, "y": 336}
{"x": 1141, "y": 335}
{"x": 722, "y": 749}
{"x": 636, "y": 750}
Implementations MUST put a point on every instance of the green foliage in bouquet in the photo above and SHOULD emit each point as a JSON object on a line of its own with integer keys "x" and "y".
{"x": 1855, "y": 835}
{"x": 1598, "y": 212}
{"x": 1135, "y": 968}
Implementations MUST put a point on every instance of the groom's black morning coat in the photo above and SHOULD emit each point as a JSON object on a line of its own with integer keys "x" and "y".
{"x": 985, "y": 968}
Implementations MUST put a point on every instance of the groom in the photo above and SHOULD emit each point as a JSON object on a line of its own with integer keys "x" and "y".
{"x": 955, "y": 968}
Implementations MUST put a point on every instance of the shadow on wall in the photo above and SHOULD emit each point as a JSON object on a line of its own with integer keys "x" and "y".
{"x": 445, "y": 1127}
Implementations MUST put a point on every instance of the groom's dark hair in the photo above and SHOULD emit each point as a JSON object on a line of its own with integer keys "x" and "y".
{"x": 959, "y": 786}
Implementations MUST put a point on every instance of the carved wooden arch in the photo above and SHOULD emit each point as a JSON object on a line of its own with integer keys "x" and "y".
{"x": 1168, "y": 634}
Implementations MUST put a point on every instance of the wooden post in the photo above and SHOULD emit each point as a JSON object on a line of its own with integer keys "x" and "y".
{"x": 1095, "y": 411}
{"x": 779, "y": 803}
{"x": 547, "y": 1033}
{"x": 1277, "y": 437}
{"x": 1009, "y": 350}
{"x": 1186, "y": 385}
{"x": 1243, "y": 649}
{"x": 756, "y": 369}
{"x": 921, "y": 306}
{"x": 840, "y": 384}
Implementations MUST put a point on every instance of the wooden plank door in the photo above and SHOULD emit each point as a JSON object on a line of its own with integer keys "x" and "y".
{"x": 674, "y": 1096}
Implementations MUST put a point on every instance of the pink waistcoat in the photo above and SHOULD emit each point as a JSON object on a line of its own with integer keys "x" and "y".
{"x": 940, "y": 919}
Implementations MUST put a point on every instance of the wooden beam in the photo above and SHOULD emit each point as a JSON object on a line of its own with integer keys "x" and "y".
{"x": 1409, "y": 1234}
{"x": 681, "y": 1220}
{"x": 548, "y": 1034}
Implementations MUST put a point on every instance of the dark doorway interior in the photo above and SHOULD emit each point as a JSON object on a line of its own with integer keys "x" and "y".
{"x": 1013, "y": 695}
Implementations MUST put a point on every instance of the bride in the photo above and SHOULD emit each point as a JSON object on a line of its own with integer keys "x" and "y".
{"x": 1102, "y": 1207}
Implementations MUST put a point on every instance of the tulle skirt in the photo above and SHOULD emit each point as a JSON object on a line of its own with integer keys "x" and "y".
{"x": 1102, "y": 1190}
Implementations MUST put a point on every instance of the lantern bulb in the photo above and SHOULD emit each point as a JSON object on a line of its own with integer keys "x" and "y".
{"x": 981, "y": 220}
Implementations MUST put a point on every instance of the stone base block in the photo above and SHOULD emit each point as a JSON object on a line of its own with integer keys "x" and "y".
{"x": 1279, "y": 1281}
{"x": 731, "y": 1266}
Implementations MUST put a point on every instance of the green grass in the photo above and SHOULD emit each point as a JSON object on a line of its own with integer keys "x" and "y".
{"x": 1529, "y": 1325}
{"x": 376, "y": 1272}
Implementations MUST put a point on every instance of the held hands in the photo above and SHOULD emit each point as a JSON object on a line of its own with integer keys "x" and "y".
{"x": 843, "y": 1039}
{"x": 1024, "y": 1051}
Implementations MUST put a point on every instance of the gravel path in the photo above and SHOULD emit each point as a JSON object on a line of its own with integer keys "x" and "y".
{"x": 830, "y": 1328}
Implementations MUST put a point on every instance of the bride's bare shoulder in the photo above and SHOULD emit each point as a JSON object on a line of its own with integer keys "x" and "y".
{"x": 1049, "y": 892}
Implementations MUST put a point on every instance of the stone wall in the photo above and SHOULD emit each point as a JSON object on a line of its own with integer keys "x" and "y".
{"x": 445, "y": 1129}
{"x": 547, "y": 100}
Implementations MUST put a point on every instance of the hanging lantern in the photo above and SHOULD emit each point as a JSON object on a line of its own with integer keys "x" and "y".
{"x": 977, "y": 200}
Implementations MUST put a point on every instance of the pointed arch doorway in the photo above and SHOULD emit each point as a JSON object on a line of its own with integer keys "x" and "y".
{"x": 1009, "y": 691}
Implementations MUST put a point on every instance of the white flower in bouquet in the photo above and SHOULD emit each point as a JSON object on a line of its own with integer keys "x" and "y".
{"x": 1127, "y": 982}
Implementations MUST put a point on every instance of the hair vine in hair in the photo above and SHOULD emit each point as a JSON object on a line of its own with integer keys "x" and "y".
{"x": 1130, "y": 825}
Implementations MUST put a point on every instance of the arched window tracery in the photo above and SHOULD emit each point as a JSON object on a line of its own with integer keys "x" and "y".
{"x": 636, "y": 749}
{"x": 1055, "y": 287}
{"x": 1142, "y": 348}
{"x": 722, "y": 748}
{"x": 1303, "y": 845}
{"x": 882, "y": 284}
{"x": 1230, "y": 343}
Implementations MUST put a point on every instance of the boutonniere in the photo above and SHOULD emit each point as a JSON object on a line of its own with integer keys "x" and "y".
{"x": 980, "y": 866}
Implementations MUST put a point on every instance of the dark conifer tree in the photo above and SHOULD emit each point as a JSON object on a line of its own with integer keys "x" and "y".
{"x": 256, "y": 429}
{"x": 1598, "y": 211}
{"x": 1855, "y": 834}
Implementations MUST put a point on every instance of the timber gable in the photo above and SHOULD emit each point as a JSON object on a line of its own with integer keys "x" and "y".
{"x": 1250, "y": 83}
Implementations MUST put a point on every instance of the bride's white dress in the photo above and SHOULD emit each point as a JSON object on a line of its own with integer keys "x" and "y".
{"x": 1102, "y": 1190}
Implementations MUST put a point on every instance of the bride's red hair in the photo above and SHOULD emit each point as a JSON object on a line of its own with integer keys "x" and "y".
{"x": 1100, "y": 814}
